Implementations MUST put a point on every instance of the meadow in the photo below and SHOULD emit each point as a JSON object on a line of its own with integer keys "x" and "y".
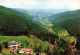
{"x": 23, "y": 40}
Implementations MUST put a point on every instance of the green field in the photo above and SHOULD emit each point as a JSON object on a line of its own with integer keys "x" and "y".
{"x": 22, "y": 40}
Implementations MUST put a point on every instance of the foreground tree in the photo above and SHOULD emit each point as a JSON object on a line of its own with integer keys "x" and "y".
{"x": 5, "y": 44}
{"x": 55, "y": 47}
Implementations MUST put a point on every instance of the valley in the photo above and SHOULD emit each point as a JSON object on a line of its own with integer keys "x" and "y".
{"x": 47, "y": 29}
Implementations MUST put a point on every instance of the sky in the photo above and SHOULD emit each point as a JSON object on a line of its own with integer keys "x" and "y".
{"x": 42, "y": 4}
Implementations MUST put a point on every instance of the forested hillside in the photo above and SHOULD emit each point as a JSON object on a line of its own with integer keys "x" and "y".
{"x": 14, "y": 23}
{"x": 69, "y": 20}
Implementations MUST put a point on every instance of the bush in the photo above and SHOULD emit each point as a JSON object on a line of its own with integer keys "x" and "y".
{"x": 0, "y": 48}
{"x": 5, "y": 44}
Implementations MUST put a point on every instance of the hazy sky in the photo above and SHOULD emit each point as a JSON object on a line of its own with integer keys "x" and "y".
{"x": 42, "y": 4}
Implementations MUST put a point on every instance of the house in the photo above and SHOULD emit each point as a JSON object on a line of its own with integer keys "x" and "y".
{"x": 13, "y": 46}
{"x": 26, "y": 51}
{"x": 32, "y": 36}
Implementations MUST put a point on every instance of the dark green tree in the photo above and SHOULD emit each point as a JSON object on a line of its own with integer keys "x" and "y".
{"x": 5, "y": 44}
{"x": 0, "y": 48}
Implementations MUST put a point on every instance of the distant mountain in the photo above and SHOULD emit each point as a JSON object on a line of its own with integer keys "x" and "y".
{"x": 15, "y": 23}
{"x": 36, "y": 13}
{"x": 69, "y": 20}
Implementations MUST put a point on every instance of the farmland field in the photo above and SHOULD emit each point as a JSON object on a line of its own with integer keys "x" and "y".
{"x": 22, "y": 39}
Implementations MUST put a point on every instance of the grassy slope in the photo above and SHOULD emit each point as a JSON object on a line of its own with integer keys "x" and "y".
{"x": 22, "y": 40}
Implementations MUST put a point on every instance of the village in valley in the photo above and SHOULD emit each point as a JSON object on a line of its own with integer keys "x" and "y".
{"x": 16, "y": 46}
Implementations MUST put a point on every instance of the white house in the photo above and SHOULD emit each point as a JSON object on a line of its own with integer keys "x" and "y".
{"x": 13, "y": 46}
{"x": 26, "y": 51}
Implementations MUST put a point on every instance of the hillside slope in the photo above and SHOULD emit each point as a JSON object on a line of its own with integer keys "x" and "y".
{"x": 14, "y": 23}
{"x": 69, "y": 20}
